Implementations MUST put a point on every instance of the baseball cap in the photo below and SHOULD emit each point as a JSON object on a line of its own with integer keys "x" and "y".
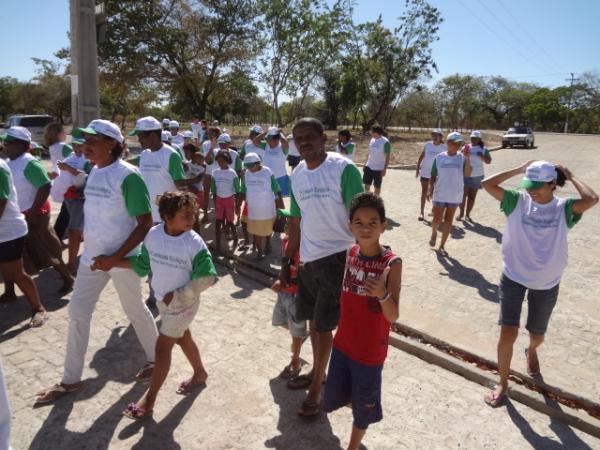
{"x": 437, "y": 131}
{"x": 100, "y": 126}
{"x": 256, "y": 129}
{"x": 148, "y": 123}
{"x": 16, "y": 134}
{"x": 173, "y": 124}
{"x": 165, "y": 136}
{"x": 476, "y": 134}
{"x": 273, "y": 131}
{"x": 455, "y": 136}
{"x": 77, "y": 141}
{"x": 538, "y": 173}
{"x": 34, "y": 145}
{"x": 166, "y": 121}
{"x": 224, "y": 139}
{"x": 251, "y": 158}
{"x": 188, "y": 134}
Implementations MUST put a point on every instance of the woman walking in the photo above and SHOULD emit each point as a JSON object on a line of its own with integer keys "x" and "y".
{"x": 430, "y": 151}
{"x": 480, "y": 155}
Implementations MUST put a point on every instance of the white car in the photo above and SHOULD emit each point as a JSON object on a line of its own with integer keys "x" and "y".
{"x": 35, "y": 124}
{"x": 518, "y": 136}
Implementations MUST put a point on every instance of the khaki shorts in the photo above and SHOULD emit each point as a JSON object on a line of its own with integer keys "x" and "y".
{"x": 261, "y": 227}
{"x": 174, "y": 321}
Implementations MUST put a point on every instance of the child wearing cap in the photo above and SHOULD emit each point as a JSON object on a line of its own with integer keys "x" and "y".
{"x": 262, "y": 194}
{"x": 249, "y": 145}
{"x": 446, "y": 187}
{"x": 209, "y": 149}
{"x": 480, "y": 155}
{"x": 534, "y": 255}
{"x": 378, "y": 160}
{"x": 195, "y": 171}
{"x": 224, "y": 141}
{"x": 225, "y": 186}
{"x": 275, "y": 154}
{"x": 284, "y": 311}
{"x": 368, "y": 307}
{"x": 425, "y": 162}
{"x": 176, "y": 137}
{"x": 345, "y": 145}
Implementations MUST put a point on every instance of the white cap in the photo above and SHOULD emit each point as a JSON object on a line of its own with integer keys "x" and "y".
{"x": 455, "y": 136}
{"x": 173, "y": 124}
{"x": 148, "y": 123}
{"x": 224, "y": 139}
{"x": 251, "y": 158}
{"x": 476, "y": 134}
{"x": 165, "y": 136}
{"x": 256, "y": 129}
{"x": 166, "y": 121}
{"x": 188, "y": 134}
{"x": 272, "y": 131}
{"x": 537, "y": 174}
{"x": 437, "y": 131}
{"x": 100, "y": 126}
{"x": 17, "y": 133}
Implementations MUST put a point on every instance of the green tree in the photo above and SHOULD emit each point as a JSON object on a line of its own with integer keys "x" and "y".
{"x": 7, "y": 88}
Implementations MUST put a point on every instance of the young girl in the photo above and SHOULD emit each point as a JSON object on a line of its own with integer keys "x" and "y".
{"x": 262, "y": 195}
{"x": 425, "y": 162}
{"x": 209, "y": 149}
{"x": 182, "y": 268}
{"x": 345, "y": 145}
{"x": 480, "y": 155}
{"x": 225, "y": 185}
{"x": 534, "y": 254}
{"x": 275, "y": 153}
{"x": 446, "y": 186}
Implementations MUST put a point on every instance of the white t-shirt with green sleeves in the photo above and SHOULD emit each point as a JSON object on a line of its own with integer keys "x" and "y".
{"x": 275, "y": 159}
{"x": 28, "y": 176}
{"x": 174, "y": 260}
{"x": 260, "y": 188}
{"x": 430, "y": 151}
{"x": 160, "y": 169}
{"x": 225, "y": 183}
{"x": 58, "y": 152}
{"x": 378, "y": 148}
{"x": 534, "y": 243}
{"x": 348, "y": 147}
{"x": 12, "y": 221}
{"x": 114, "y": 196}
{"x": 476, "y": 162}
{"x": 322, "y": 197}
{"x": 207, "y": 146}
{"x": 250, "y": 147}
{"x": 449, "y": 182}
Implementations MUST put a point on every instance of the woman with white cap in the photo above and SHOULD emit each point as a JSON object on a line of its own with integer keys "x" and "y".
{"x": 117, "y": 217}
{"x": 534, "y": 255}
{"x": 480, "y": 155}
{"x": 249, "y": 146}
{"x": 276, "y": 149}
{"x": 446, "y": 186}
{"x": 176, "y": 137}
{"x": 430, "y": 150}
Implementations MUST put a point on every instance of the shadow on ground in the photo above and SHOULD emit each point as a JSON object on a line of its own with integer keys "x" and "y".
{"x": 469, "y": 277}
{"x": 483, "y": 230}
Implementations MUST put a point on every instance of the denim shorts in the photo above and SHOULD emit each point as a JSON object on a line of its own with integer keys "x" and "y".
{"x": 473, "y": 182}
{"x": 284, "y": 314}
{"x": 284, "y": 185}
{"x": 446, "y": 205}
{"x": 75, "y": 209}
{"x": 349, "y": 381}
{"x": 541, "y": 303}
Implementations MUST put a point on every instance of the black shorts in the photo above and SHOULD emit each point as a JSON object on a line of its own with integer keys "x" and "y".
{"x": 319, "y": 290}
{"x": 293, "y": 161}
{"x": 12, "y": 250}
{"x": 372, "y": 177}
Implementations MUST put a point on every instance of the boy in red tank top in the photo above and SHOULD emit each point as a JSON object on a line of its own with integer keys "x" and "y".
{"x": 368, "y": 306}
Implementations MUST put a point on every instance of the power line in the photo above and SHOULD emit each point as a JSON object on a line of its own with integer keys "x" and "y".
{"x": 524, "y": 29}
{"x": 572, "y": 79}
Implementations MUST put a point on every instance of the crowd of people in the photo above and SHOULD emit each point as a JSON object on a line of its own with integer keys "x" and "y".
{"x": 141, "y": 216}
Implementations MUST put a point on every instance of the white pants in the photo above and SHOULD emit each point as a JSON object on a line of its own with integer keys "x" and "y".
{"x": 86, "y": 292}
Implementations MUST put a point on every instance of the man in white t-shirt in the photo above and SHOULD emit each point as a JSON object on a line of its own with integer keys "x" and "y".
{"x": 322, "y": 187}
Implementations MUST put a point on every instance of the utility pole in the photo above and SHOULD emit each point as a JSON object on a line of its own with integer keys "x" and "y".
{"x": 85, "y": 97}
{"x": 572, "y": 80}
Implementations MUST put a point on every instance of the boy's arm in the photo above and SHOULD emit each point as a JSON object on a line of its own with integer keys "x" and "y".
{"x": 386, "y": 289}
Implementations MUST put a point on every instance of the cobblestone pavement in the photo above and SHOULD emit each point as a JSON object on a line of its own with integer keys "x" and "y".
{"x": 245, "y": 406}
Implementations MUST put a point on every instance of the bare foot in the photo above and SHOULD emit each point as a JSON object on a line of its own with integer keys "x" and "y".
{"x": 433, "y": 239}
{"x": 533, "y": 363}
{"x": 497, "y": 396}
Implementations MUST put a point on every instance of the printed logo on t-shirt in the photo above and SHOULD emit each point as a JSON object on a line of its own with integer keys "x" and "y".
{"x": 314, "y": 192}
{"x": 97, "y": 191}
{"x": 450, "y": 163}
{"x": 168, "y": 260}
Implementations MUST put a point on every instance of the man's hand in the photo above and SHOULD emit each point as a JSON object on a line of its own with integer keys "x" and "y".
{"x": 103, "y": 263}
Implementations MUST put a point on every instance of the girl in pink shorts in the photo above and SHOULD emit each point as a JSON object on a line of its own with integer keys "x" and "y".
{"x": 225, "y": 186}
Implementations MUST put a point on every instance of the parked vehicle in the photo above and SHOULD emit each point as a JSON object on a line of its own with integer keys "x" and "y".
{"x": 518, "y": 136}
{"x": 34, "y": 123}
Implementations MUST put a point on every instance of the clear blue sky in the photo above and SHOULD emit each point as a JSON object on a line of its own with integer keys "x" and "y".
{"x": 548, "y": 39}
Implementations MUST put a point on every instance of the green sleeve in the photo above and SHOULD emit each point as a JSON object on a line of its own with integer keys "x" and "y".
{"x": 351, "y": 184}
{"x": 140, "y": 263}
{"x": 243, "y": 187}
{"x": 236, "y": 185}
{"x": 486, "y": 153}
{"x": 285, "y": 151}
{"x": 387, "y": 147}
{"x": 176, "y": 167}
{"x": 242, "y": 151}
{"x": 135, "y": 160}
{"x": 294, "y": 208}
{"x": 202, "y": 265}
{"x": 213, "y": 185}
{"x": 434, "y": 169}
{"x": 35, "y": 174}
{"x": 4, "y": 184}
{"x": 66, "y": 150}
{"x": 350, "y": 148}
{"x": 509, "y": 201}
{"x": 572, "y": 218}
{"x": 238, "y": 164}
{"x": 275, "y": 185}
{"x": 87, "y": 167}
{"x": 263, "y": 144}
{"x": 135, "y": 193}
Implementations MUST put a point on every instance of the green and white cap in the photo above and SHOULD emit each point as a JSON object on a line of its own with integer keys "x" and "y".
{"x": 284, "y": 212}
{"x": 188, "y": 134}
{"x": 148, "y": 123}
{"x": 256, "y": 129}
{"x": 251, "y": 158}
{"x": 165, "y": 136}
{"x": 224, "y": 139}
{"x": 455, "y": 136}
{"x": 173, "y": 124}
{"x": 100, "y": 126}
{"x": 538, "y": 173}
{"x": 16, "y": 134}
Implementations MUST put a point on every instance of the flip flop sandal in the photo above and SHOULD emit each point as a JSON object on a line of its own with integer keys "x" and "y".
{"x": 530, "y": 372}
{"x": 187, "y": 386}
{"x": 134, "y": 412}
{"x": 288, "y": 372}
{"x": 38, "y": 319}
{"x": 55, "y": 392}
{"x": 145, "y": 372}
{"x": 299, "y": 382}
{"x": 309, "y": 409}
{"x": 443, "y": 253}
{"x": 494, "y": 400}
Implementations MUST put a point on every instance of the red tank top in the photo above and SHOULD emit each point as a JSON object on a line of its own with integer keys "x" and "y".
{"x": 363, "y": 331}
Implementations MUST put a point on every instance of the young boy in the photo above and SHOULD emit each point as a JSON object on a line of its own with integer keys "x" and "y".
{"x": 368, "y": 306}
{"x": 284, "y": 312}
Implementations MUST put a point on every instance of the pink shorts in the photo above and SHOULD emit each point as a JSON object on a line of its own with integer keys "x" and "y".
{"x": 225, "y": 209}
